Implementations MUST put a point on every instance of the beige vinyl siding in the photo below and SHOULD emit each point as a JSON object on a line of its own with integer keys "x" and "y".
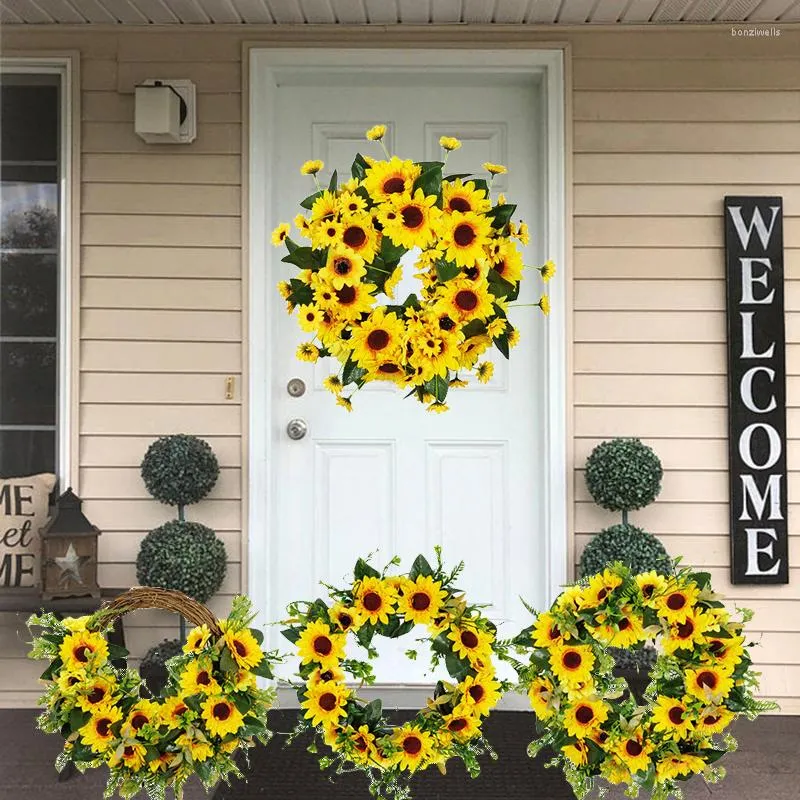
{"x": 664, "y": 124}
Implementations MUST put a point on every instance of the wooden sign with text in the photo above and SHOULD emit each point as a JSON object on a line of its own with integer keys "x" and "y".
{"x": 756, "y": 390}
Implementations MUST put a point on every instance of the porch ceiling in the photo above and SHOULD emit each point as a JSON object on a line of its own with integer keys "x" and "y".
{"x": 384, "y": 12}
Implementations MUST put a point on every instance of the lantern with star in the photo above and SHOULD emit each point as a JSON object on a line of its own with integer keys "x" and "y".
{"x": 69, "y": 551}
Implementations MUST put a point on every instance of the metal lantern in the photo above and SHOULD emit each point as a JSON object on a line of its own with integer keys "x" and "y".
{"x": 69, "y": 551}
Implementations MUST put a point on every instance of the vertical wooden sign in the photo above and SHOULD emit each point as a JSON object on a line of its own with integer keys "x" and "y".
{"x": 756, "y": 389}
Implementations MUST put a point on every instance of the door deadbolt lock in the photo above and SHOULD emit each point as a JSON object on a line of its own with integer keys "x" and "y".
{"x": 296, "y": 387}
{"x": 297, "y": 429}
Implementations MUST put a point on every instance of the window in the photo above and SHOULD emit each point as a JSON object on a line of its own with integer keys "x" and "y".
{"x": 32, "y": 281}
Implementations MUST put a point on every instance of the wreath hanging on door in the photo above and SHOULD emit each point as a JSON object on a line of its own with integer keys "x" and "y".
{"x": 701, "y": 681}
{"x": 357, "y": 732}
{"x": 468, "y": 266}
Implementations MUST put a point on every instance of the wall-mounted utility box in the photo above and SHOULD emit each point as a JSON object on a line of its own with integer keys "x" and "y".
{"x": 165, "y": 111}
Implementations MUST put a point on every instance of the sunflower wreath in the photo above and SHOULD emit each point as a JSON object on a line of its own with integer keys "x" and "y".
{"x": 358, "y": 733}
{"x": 702, "y": 680}
{"x": 210, "y": 708}
{"x": 468, "y": 265}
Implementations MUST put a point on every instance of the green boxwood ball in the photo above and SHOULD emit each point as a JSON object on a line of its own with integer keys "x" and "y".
{"x": 623, "y": 475}
{"x": 179, "y": 470}
{"x": 639, "y": 550}
{"x": 186, "y": 556}
{"x": 160, "y": 653}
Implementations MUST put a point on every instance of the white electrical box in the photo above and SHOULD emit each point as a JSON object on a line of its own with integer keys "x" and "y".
{"x": 165, "y": 111}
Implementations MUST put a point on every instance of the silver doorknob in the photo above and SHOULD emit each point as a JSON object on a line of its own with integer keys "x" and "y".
{"x": 296, "y": 387}
{"x": 297, "y": 428}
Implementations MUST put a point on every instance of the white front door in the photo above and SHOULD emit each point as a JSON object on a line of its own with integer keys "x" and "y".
{"x": 390, "y": 478}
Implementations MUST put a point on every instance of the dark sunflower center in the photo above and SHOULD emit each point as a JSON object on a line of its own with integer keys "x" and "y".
{"x": 354, "y": 236}
{"x": 96, "y": 695}
{"x": 624, "y": 624}
{"x": 685, "y": 629}
{"x": 331, "y": 232}
{"x": 554, "y": 632}
{"x": 420, "y": 601}
{"x": 138, "y": 721}
{"x": 352, "y": 207}
{"x": 500, "y": 267}
{"x": 464, "y": 235}
{"x": 716, "y": 647}
{"x": 310, "y": 316}
{"x": 460, "y": 204}
{"x": 179, "y": 710}
{"x": 342, "y": 266}
{"x": 323, "y": 645}
{"x": 72, "y": 680}
{"x": 394, "y": 186}
{"x": 326, "y": 676}
{"x": 675, "y": 715}
{"x": 633, "y": 748}
{"x": 345, "y": 620}
{"x": 584, "y": 715}
{"x": 477, "y": 693}
{"x": 711, "y": 720}
{"x": 446, "y": 324}
{"x": 377, "y": 340}
{"x": 471, "y": 273}
{"x": 327, "y": 701}
{"x": 707, "y": 679}
{"x": 648, "y": 589}
{"x": 346, "y": 294}
{"x": 412, "y": 745}
{"x": 571, "y": 659}
{"x": 372, "y": 600}
{"x": 602, "y": 736}
{"x": 81, "y": 653}
{"x": 239, "y": 647}
{"x": 128, "y": 751}
{"x": 412, "y": 216}
{"x": 388, "y": 369}
{"x": 675, "y": 602}
{"x": 602, "y": 594}
{"x": 466, "y": 300}
{"x": 221, "y": 711}
{"x": 103, "y": 726}
{"x": 360, "y": 744}
{"x": 469, "y": 639}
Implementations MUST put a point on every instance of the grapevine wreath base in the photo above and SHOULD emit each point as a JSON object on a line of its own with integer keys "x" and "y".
{"x": 702, "y": 680}
{"x": 210, "y": 709}
{"x": 357, "y": 732}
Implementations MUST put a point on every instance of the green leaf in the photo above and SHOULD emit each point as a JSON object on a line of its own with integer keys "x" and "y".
{"x": 352, "y": 373}
{"x": 475, "y": 327}
{"x": 365, "y": 635}
{"x": 457, "y": 176}
{"x": 204, "y": 770}
{"x": 412, "y": 301}
{"x": 302, "y": 257}
{"x": 405, "y": 628}
{"x": 258, "y": 635}
{"x": 437, "y": 386}
{"x": 81, "y": 752}
{"x": 455, "y": 666}
{"x": 499, "y": 286}
{"x": 291, "y": 634}
{"x": 420, "y": 567}
{"x": 501, "y": 343}
{"x": 242, "y": 702}
{"x": 193, "y": 702}
{"x": 501, "y": 215}
{"x": 480, "y": 183}
{"x": 51, "y": 671}
{"x": 391, "y": 253}
{"x": 116, "y": 651}
{"x": 227, "y": 663}
{"x": 359, "y": 168}
{"x": 441, "y": 645}
{"x": 364, "y": 570}
{"x": 373, "y": 712}
{"x": 430, "y": 181}
{"x": 333, "y": 183}
{"x": 309, "y": 201}
{"x": 263, "y": 669}
{"x": 291, "y": 246}
{"x": 301, "y": 292}
{"x": 78, "y": 718}
{"x": 447, "y": 270}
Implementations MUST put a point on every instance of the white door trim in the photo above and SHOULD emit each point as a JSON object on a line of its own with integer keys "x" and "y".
{"x": 266, "y": 66}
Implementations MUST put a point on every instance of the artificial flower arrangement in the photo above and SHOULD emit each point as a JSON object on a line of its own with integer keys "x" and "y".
{"x": 702, "y": 680}
{"x": 210, "y": 709}
{"x": 468, "y": 265}
{"x": 358, "y": 733}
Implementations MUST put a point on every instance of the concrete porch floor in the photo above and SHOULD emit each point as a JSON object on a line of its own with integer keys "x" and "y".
{"x": 766, "y": 767}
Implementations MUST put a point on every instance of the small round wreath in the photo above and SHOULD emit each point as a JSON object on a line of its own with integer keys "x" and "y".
{"x": 211, "y": 707}
{"x": 702, "y": 680}
{"x": 467, "y": 263}
{"x": 357, "y": 732}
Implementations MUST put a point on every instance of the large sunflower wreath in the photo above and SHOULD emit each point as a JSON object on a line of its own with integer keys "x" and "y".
{"x": 211, "y": 707}
{"x": 358, "y": 732}
{"x": 468, "y": 265}
{"x": 702, "y": 680}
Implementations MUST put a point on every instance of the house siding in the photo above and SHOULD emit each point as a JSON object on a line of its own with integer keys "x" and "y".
{"x": 664, "y": 124}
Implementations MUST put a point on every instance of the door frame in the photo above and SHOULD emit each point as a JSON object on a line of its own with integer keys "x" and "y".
{"x": 545, "y": 65}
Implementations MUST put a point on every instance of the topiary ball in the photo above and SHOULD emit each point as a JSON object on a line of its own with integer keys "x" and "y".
{"x": 185, "y": 556}
{"x": 179, "y": 470}
{"x": 159, "y": 654}
{"x": 639, "y": 550}
{"x": 623, "y": 475}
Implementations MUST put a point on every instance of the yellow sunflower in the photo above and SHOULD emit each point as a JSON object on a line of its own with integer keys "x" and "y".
{"x": 244, "y": 680}
{"x": 572, "y": 664}
{"x": 320, "y": 675}
{"x": 388, "y": 370}
{"x": 303, "y": 224}
{"x": 464, "y": 726}
{"x": 577, "y": 753}
{"x": 678, "y": 765}
{"x": 95, "y": 693}
{"x": 546, "y": 632}
{"x": 351, "y": 203}
{"x": 307, "y": 351}
{"x": 333, "y": 383}
{"x": 311, "y": 167}
{"x": 547, "y": 270}
{"x": 361, "y": 743}
{"x": 345, "y": 618}
{"x": 197, "y": 749}
{"x": 470, "y": 642}
{"x": 414, "y": 746}
{"x": 614, "y": 771}
{"x": 318, "y": 643}
{"x": 386, "y": 178}
{"x": 484, "y": 371}
{"x": 544, "y": 304}
{"x": 463, "y": 198}
{"x": 708, "y": 683}
{"x": 540, "y": 693}
{"x": 375, "y": 599}
{"x": 672, "y": 717}
{"x": 621, "y": 633}
{"x": 464, "y": 237}
{"x": 69, "y": 683}
{"x": 494, "y": 169}
{"x": 131, "y": 754}
{"x": 652, "y": 586}
{"x": 221, "y": 716}
{"x": 82, "y": 649}
{"x": 634, "y": 751}
{"x": 464, "y": 300}
{"x": 244, "y": 648}
{"x": 421, "y": 600}
{"x": 409, "y": 220}
{"x": 726, "y": 653}
{"x": 713, "y": 719}
{"x": 583, "y": 717}
{"x": 325, "y": 207}
{"x": 198, "y": 637}
{"x": 433, "y": 352}
{"x": 197, "y": 678}
{"x": 507, "y": 261}
{"x": 599, "y": 588}
{"x": 309, "y": 317}
{"x": 325, "y": 702}
{"x": 98, "y": 733}
{"x": 376, "y": 133}
{"x": 342, "y": 267}
{"x": 172, "y": 711}
{"x": 359, "y": 235}
{"x": 326, "y": 233}
{"x": 449, "y": 143}
{"x": 351, "y": 301}
{"x": 472, "y": 349}
{"x": 390, "y": 284}
{"x": 480, "y": 694}
{"x": 380, "y": 337}
{"x": 162, "y": 761}
{"x": 280, "y": 233}
{"x": 687, "y": 634}
{"x": 677, "y": 602}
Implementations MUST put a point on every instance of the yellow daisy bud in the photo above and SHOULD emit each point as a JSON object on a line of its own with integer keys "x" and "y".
{"x": 311, "y": 167}
{"x": 345, "y": 402}
{"x": 333, "y": 383}
{"x": 438, "y": 408}
{"x": 449, "y": 143}
{"x": 308, "y": 352}
{"x": 376, "y": 133}
{"x": 547, "y": 271}
{"x": 495, "y": 169}
{"x": 484, "y": 371}
{"x": 544, "y": 304}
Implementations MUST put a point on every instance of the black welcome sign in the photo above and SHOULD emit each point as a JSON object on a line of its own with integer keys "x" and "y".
{"x": 757, "y": 390}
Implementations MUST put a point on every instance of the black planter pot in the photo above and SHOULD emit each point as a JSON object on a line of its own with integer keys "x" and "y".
{"x": 154, "y": 676}
{"x": 637, "y": 682}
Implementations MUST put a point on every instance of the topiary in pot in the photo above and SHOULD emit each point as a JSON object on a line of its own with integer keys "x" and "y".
{"x": 152, "y": 668}
{"x": 641, "y": 551}
{"x": 186, "y": 556}
{"x": 623, "y": 475}
{"x": 179, "y": 470}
